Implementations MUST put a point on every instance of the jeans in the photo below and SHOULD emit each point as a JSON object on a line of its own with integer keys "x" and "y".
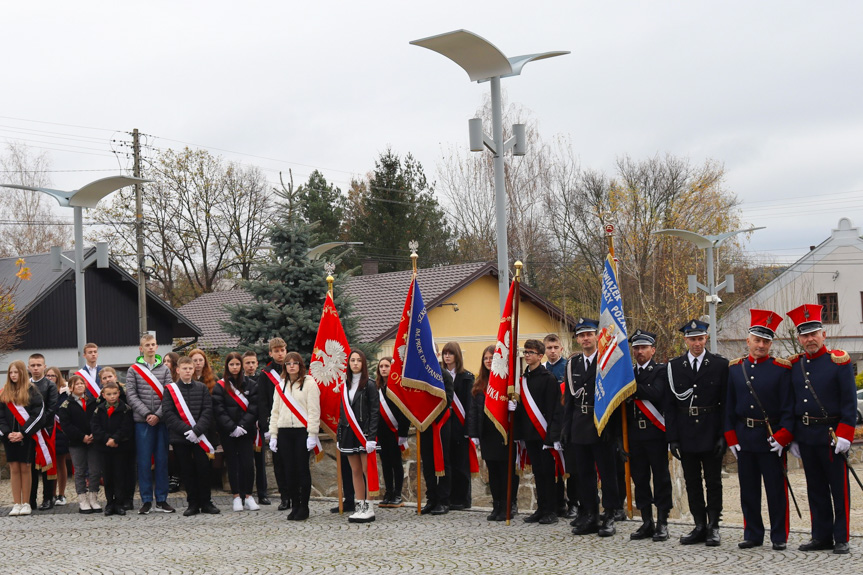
{"x": 151, "y": 442}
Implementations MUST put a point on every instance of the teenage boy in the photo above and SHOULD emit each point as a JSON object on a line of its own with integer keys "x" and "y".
{"x": 566, "y": 495}
{"x": 91, "y": 369}
{"x": 188, "y": 409}
{"x": 271, "y": 376}
{"x": 250, "y": 369}
{"x": 50, "y": 397}
{"x": 113, "y": 429}
{"x": 145, "y": 387}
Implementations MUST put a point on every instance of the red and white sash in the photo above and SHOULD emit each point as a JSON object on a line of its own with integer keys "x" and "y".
{"x": 541, "y": 426}
{"x": 374, "y": 485}
{"x": 243, "y": 401}
{"x": 471, "y": 448}
{"x": 389, "y": 418}
{"x": 148, "y": 376}
{"x": 189, "y": 419}
{"x": 92, "y": 386}
{"x": 299, "y": 412}
{"x": 44, "y": 441}
{"x": 650, "y": 412}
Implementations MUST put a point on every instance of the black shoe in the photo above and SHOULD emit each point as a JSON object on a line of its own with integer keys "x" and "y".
{"x": 747, "y": 544}
{"x": 286, "y": 504}
{"x": 571, "y": 511}
{"x": 173, "y": 484}
{"x": 208, "y": 507}
{"x": 264, "y": 500}
{"x": 119, "y": 510}
{"x": 440, "y": 510}
{"x": 163, "y": 507}
{"x": 534, "y": 517}
{"x": 346, "y": 508}
{"x": 47, "y": 504}
{"x": 697, "y": 535}
{"x": 397, "y": 501}
{"x": 501, "y": 515}
{"x": 779, "y": 546}
{"x": 647, "y": 529}
{"x": 585, "y": 524}
{"x": 145, "y": 508}
{"x": 191, "y": 511}
{"x": 293, "y": 514}
{"x": 548, "y": 519}
{"x": 495, "y": 510}
{"x": 127, "y": 505}
{"x": 841, "y": 548}
{"x": 620, "y": 515}
{"x": 816, "y": 545}
{"x": 661, "y": 532}
{"x": 428, "y": 508}
{"x": 110, "y": 510}
{"x": 607, "y": 528}
{"x": 457, "y": 507}
{"x": 561, "y": 511}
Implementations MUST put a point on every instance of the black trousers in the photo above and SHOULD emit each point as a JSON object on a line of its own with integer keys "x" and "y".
{"x": 347, "y": 479}
{"x": 542, "y": 463}
{"x": 592, "y": 457}
{"x": 646, "y": 459}
{"x": 694, "y": 463}
{"x": 568, "y": 493}
{"x": 260, "y": 472}
{"x": 459, "y": 458}
{"x": 239, "y": 458}
{"x": 195, "y": 472}
{"x": 35, "y": 474}
{"x": 391, "y": 462}
{"x": 115, "y": 470}
{"x": 497, "y": 480}
{"x": 295, "y": 459}
{"x": 437, "y": 488}
{"x": 829, "y": 492}
{"x": 279, "y": 472}
{"x": 752, "y": 468}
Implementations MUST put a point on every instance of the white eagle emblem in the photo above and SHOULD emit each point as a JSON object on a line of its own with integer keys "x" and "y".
{"x": 500, "y": 359}
{"x": 329, "y": 364}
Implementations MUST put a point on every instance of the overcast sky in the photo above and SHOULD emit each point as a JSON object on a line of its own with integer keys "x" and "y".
{"x": 774, "y": 90}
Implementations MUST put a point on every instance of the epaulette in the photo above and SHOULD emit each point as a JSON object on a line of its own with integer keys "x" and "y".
{"x": 782, "y": 362}
{"x": 65, "y": 404}
{"x": 794, "y": 358}
{"x": 839, "y": 356}
{"x": 735, "y": 361}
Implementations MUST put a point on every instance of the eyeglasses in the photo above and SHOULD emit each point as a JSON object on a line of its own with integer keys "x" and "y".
{"x": 292, "y": 363}
{"x": 531, "y": 352}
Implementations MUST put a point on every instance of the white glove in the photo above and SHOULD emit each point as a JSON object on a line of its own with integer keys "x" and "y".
{"x": 557, "y": 446}
{"x": 191, "y": 437}
{"x": 236, "y": 432}
{"x": 240, "y": 431}
{"x": 512, "y": 404}
{"x": 274, "y": 444}
{"x": 403, "y": 441}
{"x": 794, "y": 449}
{"x": 475, "y": 441}
{"x": 266, "y": 436}
{"x": 734, "y": 449}
{"x": 842, "y": 445}
{"x": 775, "y": 446}
{"x": 311, "y": 443}
{"x": 544, "y": 446}
{"x": 371, "y": 445}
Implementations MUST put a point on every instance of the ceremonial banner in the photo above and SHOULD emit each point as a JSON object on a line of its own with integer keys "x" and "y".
{"x": 615, "y": 380}
{"x": 502, "y": 367}
{"x": 329, "y": 364}
{"x": 416, "y": 384}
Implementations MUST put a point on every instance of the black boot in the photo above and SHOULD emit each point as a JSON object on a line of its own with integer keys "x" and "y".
{"x": 661, "y": 532}
{"x": 697, "y": 535}
{"x": 712, "y": 539}
{"x": 301, "y": 503}
{"x": 607, "y": 528}
{"x": 495, "y": 509}
{"x": 295, "y": 508}
{"x": 647, "y": 527}
{"x": 585, "y": 524}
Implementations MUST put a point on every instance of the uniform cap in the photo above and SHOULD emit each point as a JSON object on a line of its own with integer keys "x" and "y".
{"x": 763, "y": 323}
{"x": 585, "y": 324}
{"x": 642, "y": 338}
{"x": 694, "y": 328}
{"x": 807, "y": 318}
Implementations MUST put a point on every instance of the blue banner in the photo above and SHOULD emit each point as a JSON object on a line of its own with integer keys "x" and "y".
{"x": 615, "y": 380}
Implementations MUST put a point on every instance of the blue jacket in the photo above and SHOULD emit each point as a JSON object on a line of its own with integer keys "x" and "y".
{"x": 831, "y": 376}
{"x": 744, "y": 421}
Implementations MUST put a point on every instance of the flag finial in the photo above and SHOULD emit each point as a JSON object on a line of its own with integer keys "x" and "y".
{"x": 330, "y": 268}
{"x": 518, "y": 266}
{"x": 413, "y": 245}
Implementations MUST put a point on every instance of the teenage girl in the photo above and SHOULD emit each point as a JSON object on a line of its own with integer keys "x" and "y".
{"x": 462, "y": 383}
{"x": 61, "y": 442}
{"x": 392, "y": 434}
{"x": 203, "y": 371}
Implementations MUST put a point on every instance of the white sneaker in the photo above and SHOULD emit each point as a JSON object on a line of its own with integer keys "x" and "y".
{"x": 238, "y": 504}
{"x": 60, "y": 501}
{"x": 16, "y": 510}
{"x": 357, "y": 515}
{"x": 25, "y": 509}
{"x": 94, "y": 501}
{"x": 251, "y": 504}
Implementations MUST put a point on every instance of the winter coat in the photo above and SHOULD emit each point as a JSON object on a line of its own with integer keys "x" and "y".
{"x": 75, "y": 420}
{"x": 119, "y": 426}
{"x": 309, "y": 397}
{"x": 142, "y": 398}
{"x": 200, "y": 404}
{"x": 230, "y": 414}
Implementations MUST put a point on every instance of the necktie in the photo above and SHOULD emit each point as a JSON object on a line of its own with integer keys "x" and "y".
{"x": 640, "y": 370}
{"x": 110, "y": 410}
{"x": 83, "y": 403}
{"x": 695, "y": 365}
{"x": 586, "y": 364}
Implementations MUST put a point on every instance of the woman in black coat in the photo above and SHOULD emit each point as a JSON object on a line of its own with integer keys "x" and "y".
{"x": 459, "y": 444}
{"x": 235, "y": 407}
{"x": 365, "y": 404}
{"x": 392, "y": 434}
{"x": 493, "y": 450}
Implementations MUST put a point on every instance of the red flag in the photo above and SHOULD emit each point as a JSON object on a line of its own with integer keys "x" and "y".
{"x": 502, "y": 367}
{"x": 329, "y": 364}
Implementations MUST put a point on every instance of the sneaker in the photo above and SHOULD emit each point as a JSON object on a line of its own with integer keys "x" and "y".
{"x": 94, "y": 502}
{"x": 250, "y": 503}
{"x": 145, "y": 508}
{"x": 16, "y": 510}
{"x": 238, "y": 504}
{"x": 60, "y": 501}
{"x": 163, "y": 507}
{"x": 25, "y": 509}
{"x": 357, "y": 516}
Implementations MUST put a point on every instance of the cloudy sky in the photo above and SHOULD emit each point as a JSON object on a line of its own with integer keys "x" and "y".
{"x": 772, "y": 89}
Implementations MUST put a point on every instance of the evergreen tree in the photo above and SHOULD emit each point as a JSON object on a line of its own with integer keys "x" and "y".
{"x": 322, "y": 204}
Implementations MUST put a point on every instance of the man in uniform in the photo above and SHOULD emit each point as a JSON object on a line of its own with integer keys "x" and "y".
{"x": 825, "y": 414}
{"x": 758, "y": 423}
{"x": 648, "y": 446}
{"x": 697, "y": 384}
{"x": 592, "y": 451}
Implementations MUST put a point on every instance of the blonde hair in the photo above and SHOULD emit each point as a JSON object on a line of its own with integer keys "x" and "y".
{"x": 17, "y": 393}
{"x": 107, "y": 369}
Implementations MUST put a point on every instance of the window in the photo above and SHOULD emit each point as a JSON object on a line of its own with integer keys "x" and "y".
{"x": 830, "y": 313}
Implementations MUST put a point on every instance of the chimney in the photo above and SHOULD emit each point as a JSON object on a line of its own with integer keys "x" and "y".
{"x": 811, "y": 248}
{"x": 370, "y": 267}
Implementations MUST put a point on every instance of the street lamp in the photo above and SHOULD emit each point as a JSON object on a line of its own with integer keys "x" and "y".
{"x": 708, "y": 244}
{"x": 86, "y": 197}
{"x": 483, "y": 61}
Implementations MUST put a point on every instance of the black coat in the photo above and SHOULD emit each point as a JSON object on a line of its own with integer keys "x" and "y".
{"x": 462, "y": 386}
{"x": 480, "y": 426}
{"x": 366, "y": 406}
{"x": 35, "y": 411}
{"x": 75, "y": 421}
{"x": 545, "y": 391}
{"x": 578, "y": 418}
{"x": 200, "y": 403}
{"x": 51, "y": 399}
{"x": 697, "y": 421}
{"x": 230, "y": 414}
{"x": 265, "y": 390}
{"x": 650, "y": 386}
{"x": 119, "y": 426}
{"x": 403, "y": 425}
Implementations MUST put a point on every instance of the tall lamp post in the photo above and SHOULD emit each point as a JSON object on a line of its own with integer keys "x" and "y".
{"x": 483, "y": 61}
{"x": 708, "y": 244}
{"x": 86, "y": 197}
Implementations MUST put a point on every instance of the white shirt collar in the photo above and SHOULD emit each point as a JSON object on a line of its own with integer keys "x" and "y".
{"x": 693, "y": 358}
{"x": 589, "y": 358}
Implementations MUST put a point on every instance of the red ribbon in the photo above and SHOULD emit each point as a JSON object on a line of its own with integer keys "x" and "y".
{"x": 439, "y": 468}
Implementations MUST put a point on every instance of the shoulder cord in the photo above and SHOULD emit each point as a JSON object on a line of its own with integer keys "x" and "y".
{"x": 680, "y": 396}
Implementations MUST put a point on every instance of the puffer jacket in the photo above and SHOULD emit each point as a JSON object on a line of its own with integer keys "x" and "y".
{"x": 230, "y": 414}
{"x": 140, "y": 396}
{"x": 309, "y": 397}
{"x": 200, "y": 404}
{"x": 51, "y": 400}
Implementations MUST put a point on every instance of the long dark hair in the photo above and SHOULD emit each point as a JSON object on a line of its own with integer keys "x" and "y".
{"x": 301, "y": 374}
{"x": 364, "y": 374}
{"x": 173, "y": 356}
{"x": 237, "y": 380}
{"x": 453, "y": 348}
{"x": 481, "y": 381}
{"x": 378, "y": 379}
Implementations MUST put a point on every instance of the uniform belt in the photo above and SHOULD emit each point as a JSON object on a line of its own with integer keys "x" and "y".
{"x": 751, "y": 422}
{"x": 585, "y": 408}
{"x": 697, "y": 410}
{"x": 809, "y": 420}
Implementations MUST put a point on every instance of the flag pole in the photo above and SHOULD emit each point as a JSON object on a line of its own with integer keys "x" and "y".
{"x": 609, "y": 234}
{"x": 340, "y": 487}
{"x": 510, "y": 392}
{"x": 414, "y": 257}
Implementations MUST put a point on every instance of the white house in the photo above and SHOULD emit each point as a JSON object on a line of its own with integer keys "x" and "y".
{"x": 831, "y": 274}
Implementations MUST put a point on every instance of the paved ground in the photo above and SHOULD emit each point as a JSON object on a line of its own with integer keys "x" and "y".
{"x": 63, "y": 541}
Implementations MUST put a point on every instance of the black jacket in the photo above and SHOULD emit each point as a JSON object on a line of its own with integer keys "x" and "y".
{"x": 462, "y": 386}
{"x": 650, "y": 386}
{"x": 579, "y": 425}
{"x": 696, "y": 420}
{"x": 480, "y": 426}
{"x": 119, "y": 426}
{"x": 230, "y": 414}
{"x": 35, "y": 411}
{"x": 366, "y": 406}
{"x": 403, "y": 425}
{"x": 75, "y": 421}
{"x": 200, "y": 403}
{"x": 50, "y": 397}
{"x": 545, "y": 391}
{"x": 264, "y": 391}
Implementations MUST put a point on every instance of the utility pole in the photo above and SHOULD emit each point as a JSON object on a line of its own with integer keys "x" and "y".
{"x": 139, "y": 234}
